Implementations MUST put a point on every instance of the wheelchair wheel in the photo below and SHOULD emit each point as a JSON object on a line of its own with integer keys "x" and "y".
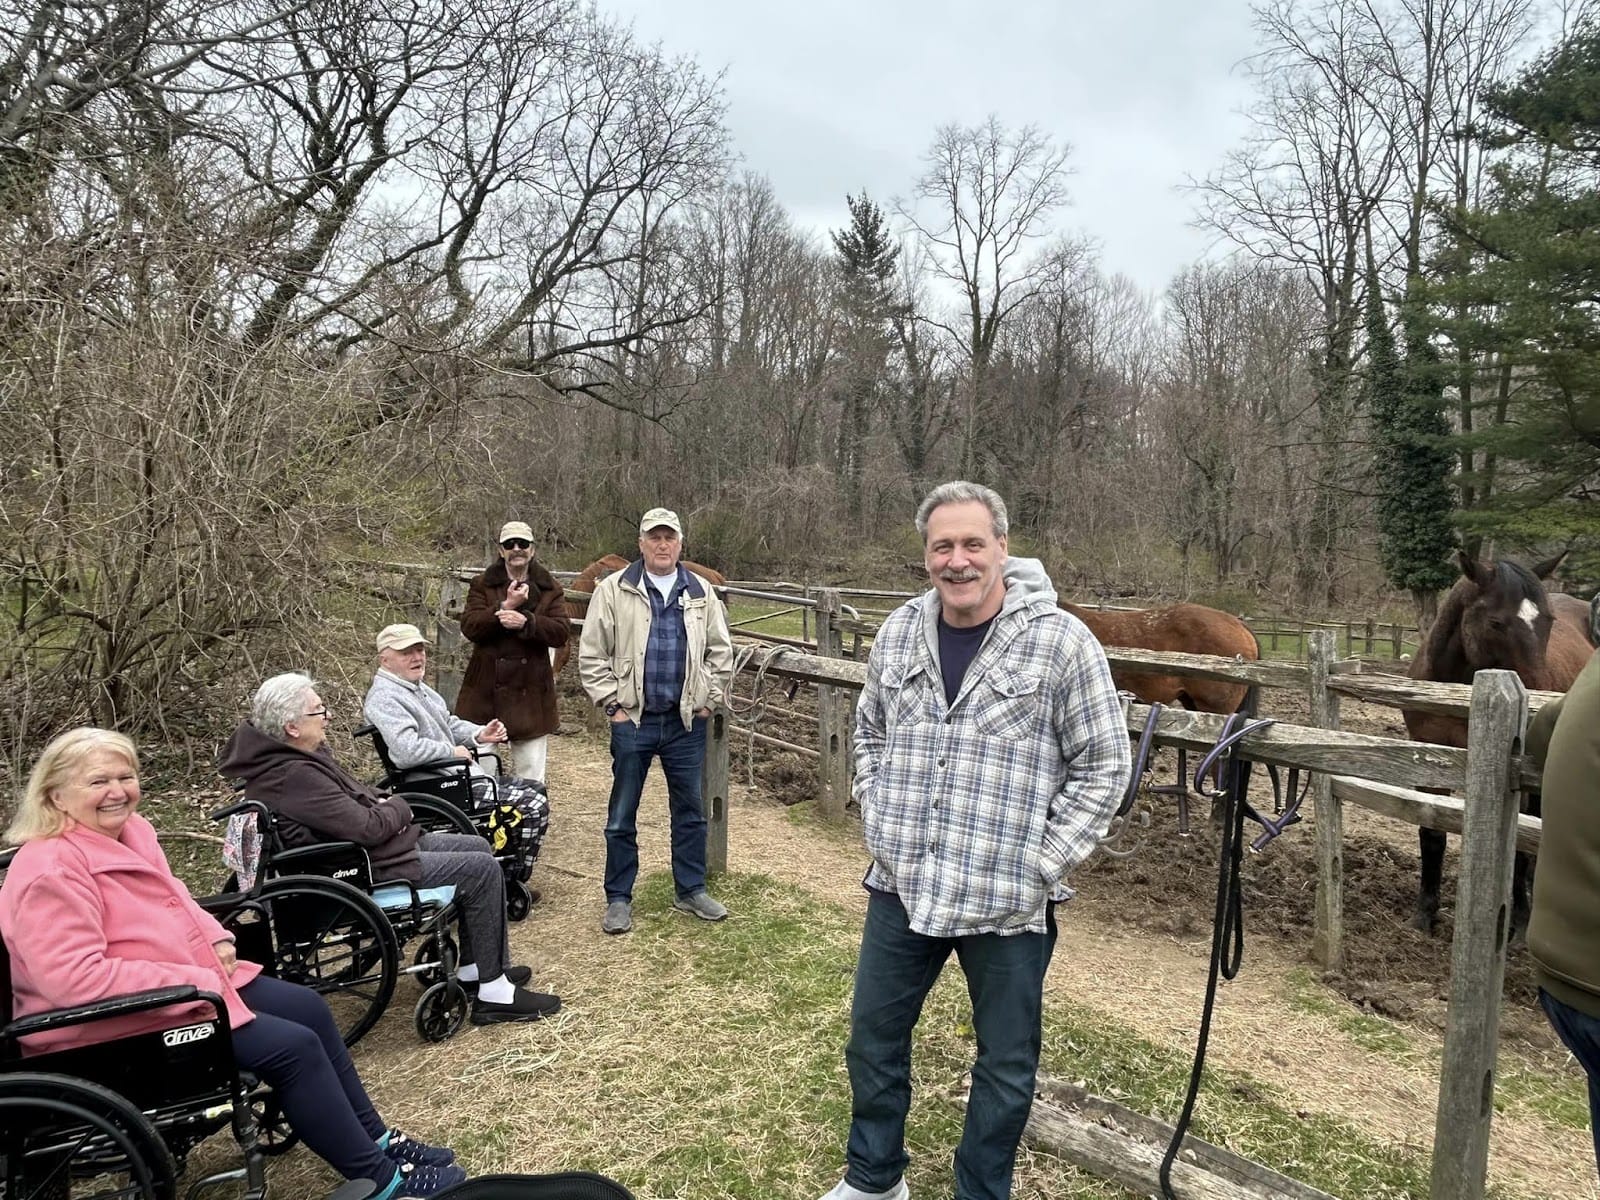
{"x": 438, "y": 816}
{"x": 440, "y": 1011}
{"x": 519, "y": 900}
{"x": 55, "y": 1128}
{"x": 335, "y": 940}
{"x": 273, "y": 1135}
{"x": 440, "y": 952}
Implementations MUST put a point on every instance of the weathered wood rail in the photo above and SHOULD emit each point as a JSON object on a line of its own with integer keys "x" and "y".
{"x": 1380, "y": 774}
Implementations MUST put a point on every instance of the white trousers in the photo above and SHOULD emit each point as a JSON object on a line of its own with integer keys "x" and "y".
{"x": 528, "y": 758}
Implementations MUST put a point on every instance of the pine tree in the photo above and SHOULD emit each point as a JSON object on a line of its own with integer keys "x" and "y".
{"x": 1411, "y": 459}
{"x": 1525, "y": 302}
{"x": 867, "y": 256}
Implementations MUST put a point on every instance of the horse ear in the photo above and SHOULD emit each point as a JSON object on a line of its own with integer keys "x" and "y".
{"x": 1543, "y": 570}
{"x": 1472, "y": 568}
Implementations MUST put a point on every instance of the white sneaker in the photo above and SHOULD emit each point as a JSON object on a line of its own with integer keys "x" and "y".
{"x": 843, "y": 1191}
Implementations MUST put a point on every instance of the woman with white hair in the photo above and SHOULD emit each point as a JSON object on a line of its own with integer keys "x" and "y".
{"x": 282, "y": 755}
{"x": 91, "y": 909}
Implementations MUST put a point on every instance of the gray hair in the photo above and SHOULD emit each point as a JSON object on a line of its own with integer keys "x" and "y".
{"x": 277, "y": 702}
{"x": 959, "y": 491}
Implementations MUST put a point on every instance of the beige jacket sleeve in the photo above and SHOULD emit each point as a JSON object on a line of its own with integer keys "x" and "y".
{"x": 719, "y": 648}
{"x": 597, "y": 647}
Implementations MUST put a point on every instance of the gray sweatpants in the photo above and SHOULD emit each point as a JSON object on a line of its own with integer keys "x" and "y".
{"x": 466, "y": 861}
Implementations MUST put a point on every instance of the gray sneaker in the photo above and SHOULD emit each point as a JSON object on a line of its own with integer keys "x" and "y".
{"x": 701, "y": 905}
{"x": 618, "y": 918}
{"x": 844, "y": 1191}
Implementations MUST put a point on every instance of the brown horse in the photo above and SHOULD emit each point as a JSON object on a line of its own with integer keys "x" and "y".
{"x": 581, "y": 588}
{"x": 1497, "y": 616}
{"x": 1569, "y": 610}
{"x": 1185, "y": 629}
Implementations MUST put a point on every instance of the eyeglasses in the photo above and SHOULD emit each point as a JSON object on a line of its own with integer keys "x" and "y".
{"x": 516, "y": 544}
{"x": 321, "y": 712}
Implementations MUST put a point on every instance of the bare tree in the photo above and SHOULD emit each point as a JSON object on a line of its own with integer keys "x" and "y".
{"x": 980, "y": 208}
{"x": 1303, "y": 191}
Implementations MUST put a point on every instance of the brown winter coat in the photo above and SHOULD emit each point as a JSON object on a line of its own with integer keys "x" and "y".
{"x": 509, "y": 676}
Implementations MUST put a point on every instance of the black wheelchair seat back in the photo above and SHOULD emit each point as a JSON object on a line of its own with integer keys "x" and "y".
{"x": 187, "y": 1066}
{"x": 344, "y": 861}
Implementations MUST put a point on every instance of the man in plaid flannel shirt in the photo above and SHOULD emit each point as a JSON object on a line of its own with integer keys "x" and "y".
{"x": 656, "y": 656}
{"x": 990, "y": 756}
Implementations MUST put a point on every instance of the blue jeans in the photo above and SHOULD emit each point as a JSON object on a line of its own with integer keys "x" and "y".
{"x": 682, "y": 753}
{"x": 896, "y": 970}
{"x": 1580, "y": 1033}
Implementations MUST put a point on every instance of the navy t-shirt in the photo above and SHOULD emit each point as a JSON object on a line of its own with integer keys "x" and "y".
{"x": 957, "y": 649}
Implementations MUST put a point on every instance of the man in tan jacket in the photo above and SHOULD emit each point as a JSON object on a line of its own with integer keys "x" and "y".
{"x": 656, "y": 656}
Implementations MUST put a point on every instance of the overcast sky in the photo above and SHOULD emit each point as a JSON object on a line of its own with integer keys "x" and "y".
{"x": 831, "y": 97}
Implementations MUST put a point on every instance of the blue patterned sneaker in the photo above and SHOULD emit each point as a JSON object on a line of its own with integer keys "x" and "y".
{"x": 407, "y": 1150}
{"x": 428, "y": 1181}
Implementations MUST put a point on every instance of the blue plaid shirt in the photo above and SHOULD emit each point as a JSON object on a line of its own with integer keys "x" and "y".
{"x": 976, "y": 810}
{"x": 667, "y": 648}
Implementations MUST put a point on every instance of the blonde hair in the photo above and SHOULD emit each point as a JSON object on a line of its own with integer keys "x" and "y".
{"x": 38, "y": 818}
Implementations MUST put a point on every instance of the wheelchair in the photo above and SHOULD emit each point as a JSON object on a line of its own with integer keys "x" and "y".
{"x": 121, "y": 1116}
{"x": 116, "y": 1120}
{"x": 447, "y": 783}
{"x": 314, "y": 916}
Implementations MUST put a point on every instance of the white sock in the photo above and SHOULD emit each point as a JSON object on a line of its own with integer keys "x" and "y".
{"x": 468, "y": 973}
{"x": 497, "y": 991}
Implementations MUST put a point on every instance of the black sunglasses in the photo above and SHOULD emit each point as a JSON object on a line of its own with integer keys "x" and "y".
{"x": 516, "y": 544}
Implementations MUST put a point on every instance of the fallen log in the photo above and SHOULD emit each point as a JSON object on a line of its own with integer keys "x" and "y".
{"x": 1125, "y": 1147}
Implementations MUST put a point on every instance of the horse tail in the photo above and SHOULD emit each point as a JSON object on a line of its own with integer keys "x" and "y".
{"x": 1251, "y": 703}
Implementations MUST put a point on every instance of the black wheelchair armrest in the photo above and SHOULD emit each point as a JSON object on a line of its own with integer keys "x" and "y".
{"x": 114, "y": 1006}
{"x": 438, "y": 764}
{"x": 255, "y": 806}
{"x": 366, "y": 730}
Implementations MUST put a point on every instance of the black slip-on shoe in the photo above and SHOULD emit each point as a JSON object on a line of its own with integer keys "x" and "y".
{"x": 524, "y": 1006}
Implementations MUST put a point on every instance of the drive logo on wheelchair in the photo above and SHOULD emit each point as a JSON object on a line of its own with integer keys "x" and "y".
{"x": 186, "y": 1034}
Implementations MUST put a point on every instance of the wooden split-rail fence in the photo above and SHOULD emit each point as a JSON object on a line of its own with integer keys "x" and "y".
{"x": 1377, "y": 773}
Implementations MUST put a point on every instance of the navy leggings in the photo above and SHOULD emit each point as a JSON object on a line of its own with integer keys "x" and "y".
{"x": 294, "y": 1045}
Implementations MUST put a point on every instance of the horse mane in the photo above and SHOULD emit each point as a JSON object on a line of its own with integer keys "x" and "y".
{"x": 1520, "y": 582}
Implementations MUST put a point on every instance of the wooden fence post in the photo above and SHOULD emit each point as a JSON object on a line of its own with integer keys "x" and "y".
{"x": 714, "y": 790}
{"x": 449, "y": 646}
{"x": 1498, "y": 721}
{"x": 836, "y": 712}
{"x": 1327, "y": 938}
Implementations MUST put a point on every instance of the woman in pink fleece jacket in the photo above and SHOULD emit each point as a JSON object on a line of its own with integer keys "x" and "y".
{"x": 90, "y": 909}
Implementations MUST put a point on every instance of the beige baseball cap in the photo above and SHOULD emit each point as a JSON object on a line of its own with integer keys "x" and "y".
{"x": 400, "y": 637}
{"x": 657, "y": 517}
{"x": 516, "y": 529}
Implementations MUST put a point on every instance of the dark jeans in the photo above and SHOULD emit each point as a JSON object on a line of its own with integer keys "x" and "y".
{"x": 896, "y": 970}
{"x": 682, "y": 752}
{"x": 294, "y": 1045}
{"x": 466, "y": 861}
{"x": 1580, "y": 1033}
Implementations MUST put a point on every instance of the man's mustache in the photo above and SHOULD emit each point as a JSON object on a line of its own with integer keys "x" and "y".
{"x": 959, "y": 576}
